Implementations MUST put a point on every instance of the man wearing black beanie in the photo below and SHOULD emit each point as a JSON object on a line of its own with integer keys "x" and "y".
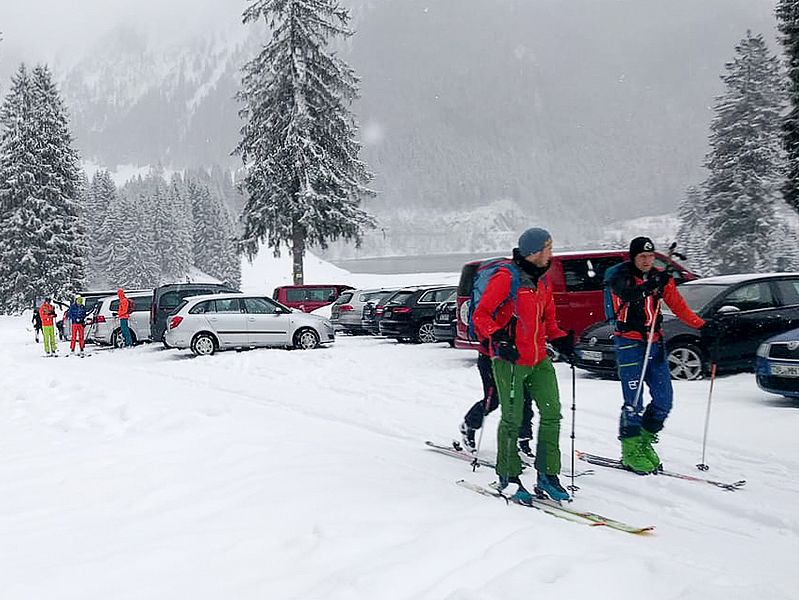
{"x": 637, "y": 287}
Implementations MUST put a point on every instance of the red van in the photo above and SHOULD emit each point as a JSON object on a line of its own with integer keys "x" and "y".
{"x": 577, "y": 285}
{"x": 308, "y": 298}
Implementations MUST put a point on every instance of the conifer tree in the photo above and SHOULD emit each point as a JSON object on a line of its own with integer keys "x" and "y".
{"x": 745, "y": 162}
{"x": 304, "y": 180}
{"x": 788, "y": 24}
{"x": 41, "y": 231}
{"x": 692, "y": 233}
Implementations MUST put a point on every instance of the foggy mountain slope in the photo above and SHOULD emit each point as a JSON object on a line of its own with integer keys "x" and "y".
{"x": 580, "y": 112}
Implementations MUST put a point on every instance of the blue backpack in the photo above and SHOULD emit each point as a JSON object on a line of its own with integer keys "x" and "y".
{"x": 485, "y": 271}
{"x": 610, "y": 314}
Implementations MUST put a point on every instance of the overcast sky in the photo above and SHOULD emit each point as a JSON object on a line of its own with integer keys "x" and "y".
{"x": 35, "y": 30}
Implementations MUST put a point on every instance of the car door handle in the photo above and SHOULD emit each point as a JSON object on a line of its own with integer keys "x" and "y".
{"x": 251, "y": 318}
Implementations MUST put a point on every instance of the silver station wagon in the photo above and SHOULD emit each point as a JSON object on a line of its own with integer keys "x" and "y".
{"x": 221, "y": 321}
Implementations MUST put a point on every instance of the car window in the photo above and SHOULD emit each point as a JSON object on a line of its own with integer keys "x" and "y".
{"x": 228, "y": 305}
{"x": 753, "y": 296}
{"x": 189, "y": 293}
{"x": 399, "y": 298}
{"x": 443, "y": 295}
{"x": 202, "y": 308}
{"x": 321, "y": 294}
{"x": 587, "y": 275}
{"x": 789, "y": 290}
{"x": 295, "y": 295}
{"x": 114, "y": 306}
{"x": 429, "y": 296}
{"x": 697, "y": 295}
{"x": 142, "y": 304}
{"x": 371, "y": 296}
{"x": 661, "y": 263}
{"x": 169, "y": 300}
{"x": 346, "y": 297}
{"x": 259, "y": 306}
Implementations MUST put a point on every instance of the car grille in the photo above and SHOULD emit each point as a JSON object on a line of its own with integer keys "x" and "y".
{"x": 788, "y": 384}
{"x": 600, "y": 342}
{"x": 781, "y": 350}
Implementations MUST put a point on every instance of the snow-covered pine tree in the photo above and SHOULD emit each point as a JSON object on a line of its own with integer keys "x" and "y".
{"x": 745, "y": 161}
{"x": 100, "y": 197}
{"x": 181, "y": 229}
{"x": 787, "y": 13}
{"x": 215, "y": 248}
{"x": 44, "y": 245}
{"x": 136, "y": 265}
{"x": 692, "y": 233}
{"x": 300, "y": 146}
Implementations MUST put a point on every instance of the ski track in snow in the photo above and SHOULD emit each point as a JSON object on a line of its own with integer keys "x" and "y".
{"x": 148, "y": 473}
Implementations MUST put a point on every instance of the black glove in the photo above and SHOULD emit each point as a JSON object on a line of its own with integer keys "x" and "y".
{"x": 565, "y": 346}
{"x": 656, "y": 282}
{"x": 504, "y": 346}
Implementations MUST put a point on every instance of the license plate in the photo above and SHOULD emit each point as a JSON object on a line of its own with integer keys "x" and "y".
{"x": 785, "y": 370}
{"x": 591, "y": 355}
{"x": 387, "y": 313}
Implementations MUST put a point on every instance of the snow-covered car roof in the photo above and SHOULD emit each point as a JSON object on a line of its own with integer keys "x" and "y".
{"x": 736, "y": 278}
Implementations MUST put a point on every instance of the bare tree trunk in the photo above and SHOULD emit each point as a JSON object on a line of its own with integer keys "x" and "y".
{"x": 298, "y": 252}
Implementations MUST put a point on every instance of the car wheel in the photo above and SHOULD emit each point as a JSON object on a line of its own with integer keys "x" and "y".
{"x": 203, "y": 344}
{"x": 425, "y": 334}
{"x": 451, "y": 343}
{"x": 685, "y": 361}
{"x": 117, "y": 341}
{"x": 306, "y": 339}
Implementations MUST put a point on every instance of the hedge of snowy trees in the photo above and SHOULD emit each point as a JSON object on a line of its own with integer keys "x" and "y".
{"x": 152, "y": 230}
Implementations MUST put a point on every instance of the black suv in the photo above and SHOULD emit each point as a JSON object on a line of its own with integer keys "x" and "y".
{"x": 166, "y": 299}
{"x": 409, "y": 313}
{"x": 446, "y": 320}
{"x": 750, "y": 309}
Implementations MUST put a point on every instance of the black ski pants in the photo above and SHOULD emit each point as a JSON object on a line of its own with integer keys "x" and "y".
{"x": 490, "y": 402}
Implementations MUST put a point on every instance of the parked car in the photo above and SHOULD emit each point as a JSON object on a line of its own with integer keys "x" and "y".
{"x": 373, "y": 312}
{"x": 577, "y": 285}
{"x": 349, "y": 310}
{"x": 308, "y": 298}
{"x": 409, "y": 313}
{"x": 750, "y": 308}
{"x": 91, "y": 297}
{"x": 104, "y": 327}
{"x": 777, "y": 368}
{"x": 445, "y": 322}
{"x": 166, "y": 299}
{"x": 222, "y": 321}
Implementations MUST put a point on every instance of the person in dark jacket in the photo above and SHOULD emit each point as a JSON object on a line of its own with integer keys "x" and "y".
{"x": 518, "y": 327}
{"x": 637, "y": 288}
{"x": 77, "y": 316}
{"x": 36, "y": 319}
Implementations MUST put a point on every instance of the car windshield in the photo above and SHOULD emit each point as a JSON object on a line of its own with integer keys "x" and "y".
{"x": 697, "y": 295}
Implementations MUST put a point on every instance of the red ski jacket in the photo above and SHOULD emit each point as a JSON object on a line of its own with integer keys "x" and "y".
{"x": 534, "y": 308}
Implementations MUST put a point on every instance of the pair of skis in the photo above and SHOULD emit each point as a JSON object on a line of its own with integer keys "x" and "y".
{"x": 612, "y": 463}
{"x": 550, "y": 507}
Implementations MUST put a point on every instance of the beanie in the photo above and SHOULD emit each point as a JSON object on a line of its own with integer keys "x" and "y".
{"x": 533, "y": 240}
{"x": 639, "y": 245}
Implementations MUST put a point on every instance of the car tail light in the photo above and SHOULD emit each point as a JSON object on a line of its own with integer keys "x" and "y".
{"x": 345, "y": 307}
{"x": 101, "y": 318}
{"x": 379, "y": 310}
{"x": 401, "y": 310}
{"x": 175, "y": 321}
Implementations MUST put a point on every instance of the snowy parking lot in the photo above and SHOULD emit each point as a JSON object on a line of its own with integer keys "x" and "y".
{"x": 148, "y": 473}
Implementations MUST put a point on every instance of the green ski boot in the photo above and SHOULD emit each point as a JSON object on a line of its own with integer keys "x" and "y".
{"x": 647, "y": 439}
{"x": 633, "y": 456}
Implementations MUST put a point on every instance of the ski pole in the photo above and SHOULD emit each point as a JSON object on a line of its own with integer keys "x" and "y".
{"x": 649, "y": 339}
{"x": 703, "y": 466}
{"x": 573, "y": 488}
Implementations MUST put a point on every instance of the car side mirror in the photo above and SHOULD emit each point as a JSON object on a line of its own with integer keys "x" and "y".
{"x": 728, "y": 310}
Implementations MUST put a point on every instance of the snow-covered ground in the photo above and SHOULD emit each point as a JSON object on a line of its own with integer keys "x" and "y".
{"x": 151, "y": 474}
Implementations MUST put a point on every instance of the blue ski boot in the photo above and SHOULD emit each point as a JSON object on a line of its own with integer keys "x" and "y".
{"x": 522, "y": 496}
{"x": 549, "y": 485}
{"x": 504, "y": 482}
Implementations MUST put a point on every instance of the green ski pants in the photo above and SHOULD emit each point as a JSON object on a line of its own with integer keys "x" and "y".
{"x": 542, "y": 385}
{"x": 48, "y": 332}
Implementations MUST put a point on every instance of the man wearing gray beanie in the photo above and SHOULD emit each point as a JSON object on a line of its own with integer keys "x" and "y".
{"x": 516, "y": 315}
